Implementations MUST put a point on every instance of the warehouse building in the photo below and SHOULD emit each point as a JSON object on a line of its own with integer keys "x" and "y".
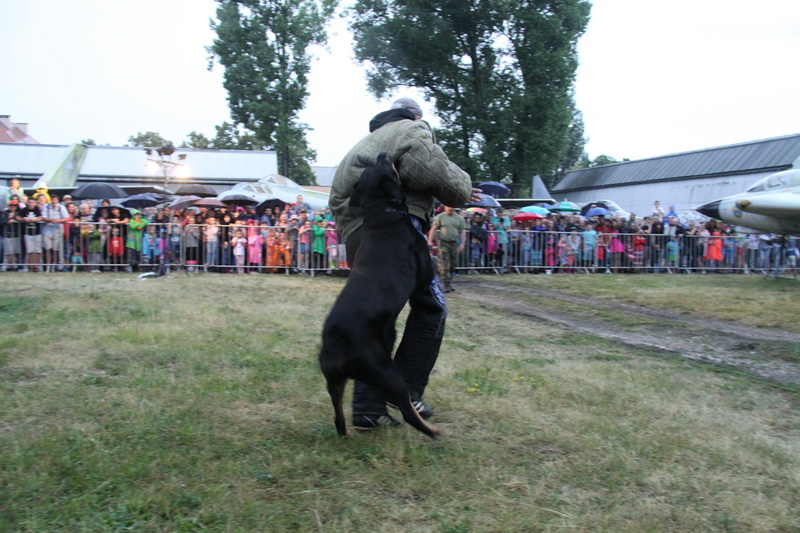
{"x": 686, "y": 180}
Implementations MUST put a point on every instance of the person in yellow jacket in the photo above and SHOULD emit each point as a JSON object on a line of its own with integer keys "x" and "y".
{"x": 42, "y": 191}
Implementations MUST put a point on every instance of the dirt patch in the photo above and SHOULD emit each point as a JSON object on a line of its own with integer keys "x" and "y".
{"x": 766, "y": 354}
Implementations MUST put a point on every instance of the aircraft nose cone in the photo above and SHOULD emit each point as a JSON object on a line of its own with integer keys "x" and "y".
{"x": 710, "y": 209}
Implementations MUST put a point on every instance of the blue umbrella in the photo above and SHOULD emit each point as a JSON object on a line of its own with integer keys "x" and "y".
{"x": 535, "y": 209}
{"x": 485, "y": 201}
{"x": 495, "y": 188}
{"x": 597, "y": 212}
{"x": 140, "y": 201}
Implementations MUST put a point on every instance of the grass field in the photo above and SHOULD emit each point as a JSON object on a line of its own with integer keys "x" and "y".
{"x": 196, "y": 404}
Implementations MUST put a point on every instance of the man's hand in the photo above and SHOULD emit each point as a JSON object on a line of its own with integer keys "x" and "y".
{"x": 476, "y": 195}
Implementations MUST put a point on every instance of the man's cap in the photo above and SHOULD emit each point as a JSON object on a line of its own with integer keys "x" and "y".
{"x": 407, "y": 103}
{"x": 13, "y": 202}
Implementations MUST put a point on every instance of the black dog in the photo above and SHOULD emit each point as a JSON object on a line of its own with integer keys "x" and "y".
{"x": 391, "y": 261}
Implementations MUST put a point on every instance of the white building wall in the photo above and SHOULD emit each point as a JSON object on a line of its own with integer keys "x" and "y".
{"x": 685, "y": 195}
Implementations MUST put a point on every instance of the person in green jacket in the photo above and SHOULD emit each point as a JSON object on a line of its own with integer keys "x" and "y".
{"x": 134, "y": 244}
{"x": 318, "y": 245}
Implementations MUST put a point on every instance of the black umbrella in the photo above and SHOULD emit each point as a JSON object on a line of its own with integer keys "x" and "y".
{"x": 182, "y": 202}
{"x": 141, "y": 201}
{"x": 239, "y": 199}
{"x": 495, "y": 188}
{"x": 485, "y": 201}
{"x": 270, "y": 205}
{"x": 98, "y": 190}
{"x": 209, "y": 202}
{"x": 196, "y": 189}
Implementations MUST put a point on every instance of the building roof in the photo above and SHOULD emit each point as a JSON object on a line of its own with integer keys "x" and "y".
{"x": 766, "y": 155}
{"x": 11, "y": 132}
{"x": 128, "y": 163}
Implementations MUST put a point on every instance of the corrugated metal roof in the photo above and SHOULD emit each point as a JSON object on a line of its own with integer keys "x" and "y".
{"x": 768, "y": 154}
{"x": 128, "y": 162}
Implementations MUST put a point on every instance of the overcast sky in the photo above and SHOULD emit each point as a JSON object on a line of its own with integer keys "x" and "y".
{"x": 656, "y": 77}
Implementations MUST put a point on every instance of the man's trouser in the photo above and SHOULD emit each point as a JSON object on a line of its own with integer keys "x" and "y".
{"x": 419, "y": 347}
{"x": 448, "y": 251}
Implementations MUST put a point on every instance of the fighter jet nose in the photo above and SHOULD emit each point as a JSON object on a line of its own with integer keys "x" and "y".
{"x": 710, "y": 209}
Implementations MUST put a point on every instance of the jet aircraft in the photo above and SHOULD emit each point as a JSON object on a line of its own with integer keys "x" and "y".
{"x": 277, "y": 187}
{"x": 771, "y": 205}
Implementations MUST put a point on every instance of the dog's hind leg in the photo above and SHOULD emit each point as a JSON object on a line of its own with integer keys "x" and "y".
{"x": 336, "y": 387}
{"x": 387, "y": 379}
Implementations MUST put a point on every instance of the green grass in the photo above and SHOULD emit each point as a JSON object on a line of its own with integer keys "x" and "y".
{"x": 196, "y": 404}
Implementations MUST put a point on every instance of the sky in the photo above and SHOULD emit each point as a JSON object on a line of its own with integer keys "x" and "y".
{"x": 655, "y": 77}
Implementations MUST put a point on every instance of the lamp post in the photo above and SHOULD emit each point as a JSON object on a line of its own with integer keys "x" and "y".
{"x": 165, "y": 164}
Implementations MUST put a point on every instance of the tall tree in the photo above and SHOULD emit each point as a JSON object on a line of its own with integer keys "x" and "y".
{"x": 263, "y": 45}
{"x": 575, "y": 154}
{"x": 148, "y": 138}
{"x": 196, "y": 140}
{"x": 499, "y": 71}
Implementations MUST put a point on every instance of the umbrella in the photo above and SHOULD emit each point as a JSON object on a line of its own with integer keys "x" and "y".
{"x": 535, "y": 209}
{"x": 476, "y": 210}
{"x": 527, "y": 216}
{"x": 240, "y": 199}
{"x": 98, "y": 190}
{"x": 209, "y": 202}
{"x": 270, "y": 205}
{"x": 590, "y": 205}
{"x": 196, "y": 189}
{"x": 495, "y": 188}
{"x": 597, "y": 212}
{"x": 182, "y": 202}
{"x": 141, "y": 201}
{"x": 566, "y": 207}
{"x": 485, "y": 201}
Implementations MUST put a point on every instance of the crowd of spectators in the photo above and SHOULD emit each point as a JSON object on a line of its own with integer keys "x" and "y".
{"x": 46, "y": 233}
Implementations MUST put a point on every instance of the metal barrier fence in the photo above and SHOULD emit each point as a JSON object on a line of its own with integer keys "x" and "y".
{"x": 523, "y": 251}
{"x": 93, "y": 246}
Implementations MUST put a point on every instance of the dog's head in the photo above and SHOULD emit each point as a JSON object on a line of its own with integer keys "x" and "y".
{"x": 378, "y": 188}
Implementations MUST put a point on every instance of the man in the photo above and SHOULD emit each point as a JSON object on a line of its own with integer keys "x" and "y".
{"x": 11, "y": 235}
{"x": 54, "y": 215}
{"x": 301, "y": 204}
{"x": 477, "y": 241}
{"x": 450, "y": 229}
{"x": 31, "y": 216}
{"x": 425, "y": 172}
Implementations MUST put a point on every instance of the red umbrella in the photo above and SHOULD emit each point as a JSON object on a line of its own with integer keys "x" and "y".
{"x": 527, "y": 216}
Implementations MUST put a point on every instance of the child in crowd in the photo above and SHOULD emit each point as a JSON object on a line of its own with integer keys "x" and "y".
{"x": 149, "y": 247}
{"x": 115, "y": 247}
{"x": 211, "y": 239}
{"x": 239, "y": 246}
{"x": 254, "y": 248}
{"x": 90, "y": 235}
{"x": 191, "y": 242}
{"x": 331, "y": 244}
{"x": 174, "y": 240}
{"x": 305, "y": 236}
